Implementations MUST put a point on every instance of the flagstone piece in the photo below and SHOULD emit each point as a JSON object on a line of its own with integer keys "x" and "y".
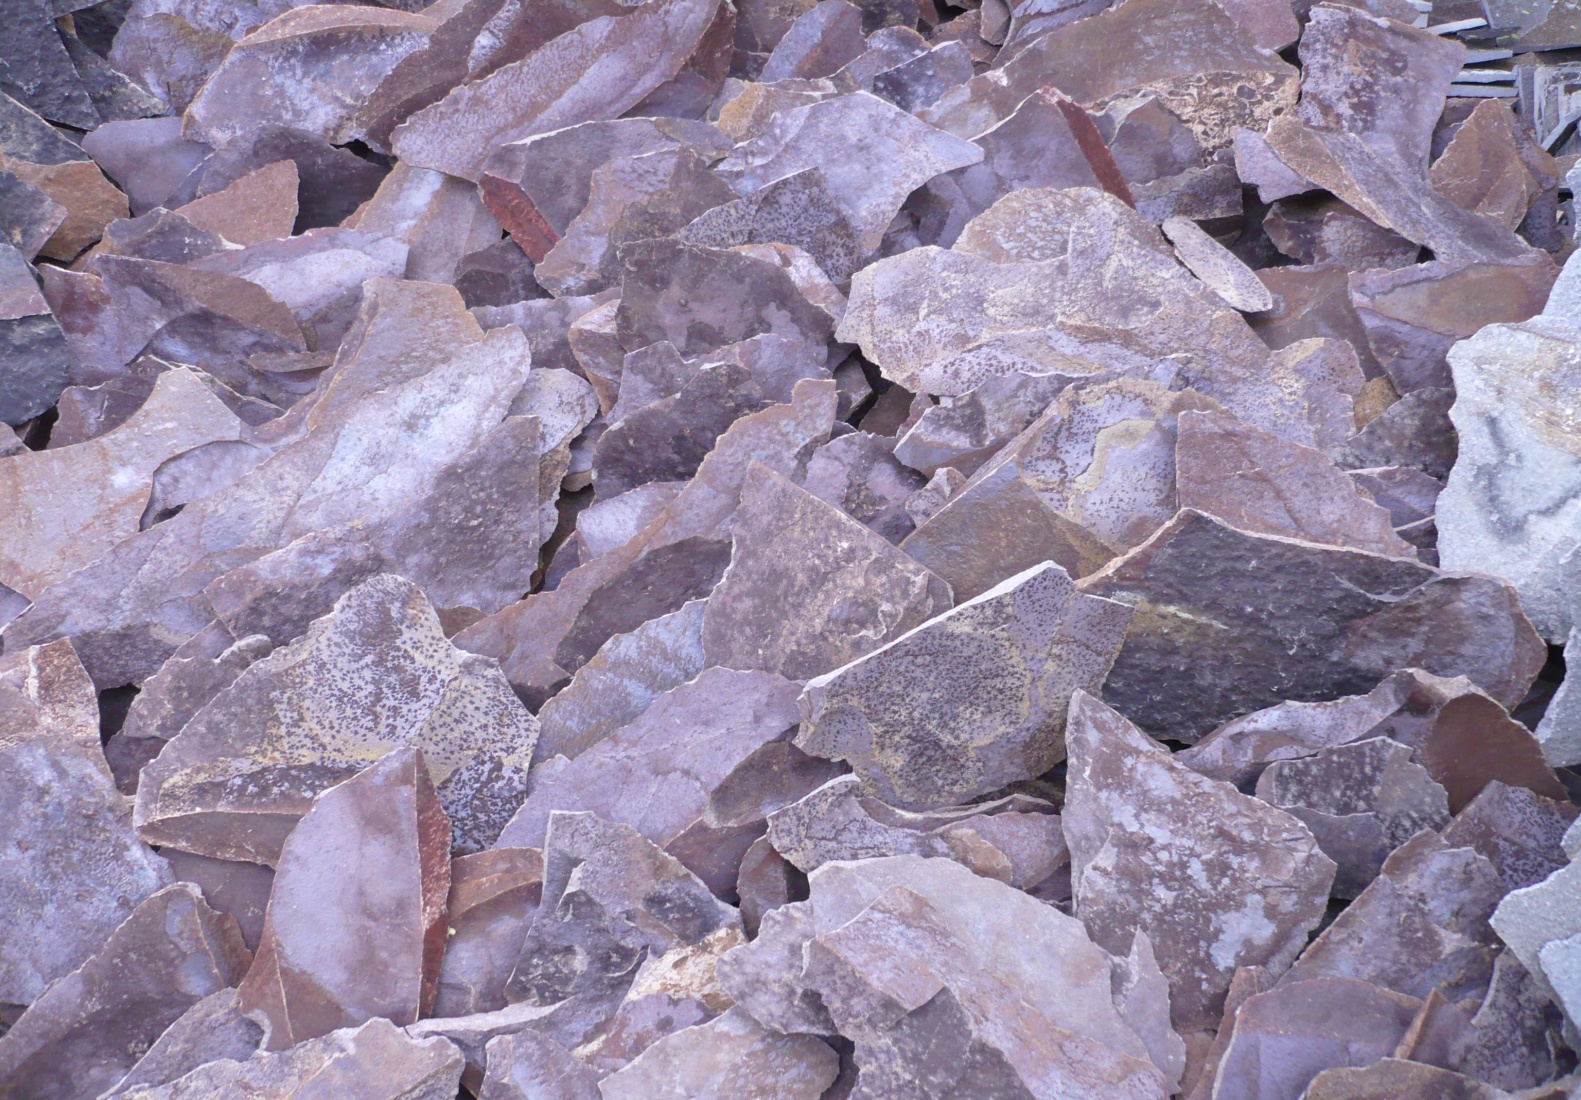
{"x": 966, "y": 432}
{"x": 731, "y": 1055}
{"x": 212, "y": 1030}
{"x": 1217, "y": 266}
{"x": 528, "y": 1066}
{"x": 28, "y": 217}
{"x": 598, "y": 70}
{"x": 819, "y": 43}
{"x": 377, "y": 1061}
{"x": 859, "y": 474}
{"x": 1515, "y": 829}
{"x": 169, "y": 54}
{"x": 915, "y": 959}
{"x": 316, "y": 971}
{"x": 1312, "y": 302}
{"x": 456, "y": 708}
{"x": 969, "y": 701}
{"x": 493, "y": 896}
{"x": 1463, "y": 624}
{"x": 798, "y": 210}
{"x": 101, "y": 487}
{"x": 71, "y": 868}
{"x": 89, "y": 1028}
{"x": 38, "y": 70}
{"x": 37, "y": 362}
{"x": 1321, "y": 230}
{"x": 1287, "y": 1036}
{"x": 1211, "y": 895}
{"x": 1257, "y": 482}
{"x": 1361, "y": 800}
{"x": 611, "y": 899}
{"x": 721, "y": 733}
{"x": 1393, "y": 1078}
{"x": 1421, "y": 925}
{"x": 849, "y": 593}
{"x": 872, "y": 155}
{"x": 1481, "y": 169}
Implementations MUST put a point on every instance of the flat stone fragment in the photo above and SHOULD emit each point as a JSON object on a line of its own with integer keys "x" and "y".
{"x": 946, "y": 981}
{"x": 871, "y": 153}
{"x": 808, "y": 588}
{"x": 28, "y": 217}
{"x": 729, "y": 1056}
{"x": 611, "y": 900}
{"x": 342, "y": 945}
{"x": 1216, "y": 879}
{"x": 1182, "y": 582}
{"x": 261, "y": 206}
{"x": 1517, "y": 830}
{"x": 88, "y": 1030}
{"x": 493, "y": 896}
{"x": 971, "y": 700}
{"x": 376, "y": 1061}
{"x": 528, "y": 1066}
{"x": 36, "y": 357}
{"x": 1255, "y": 481}
{"x": 71, "y": 868}
{"x": 1287, "y": 1036}
{"x": 599, "y": 70}
{"x": 1421, "y": 925}
{"x": 1217, "y": 266}
{"x": 1361, "y": 801}
{"x": 97, "y": 490}
{"x": 314, "y": 712}
{"x": 688, "y": 749}
{"x": 1559, "y": 732}
{"x": 212, "y": 1030}
{"x": 860, "y": 474}
{"x": 965, "y": 433}
{"x": 1395, "y": 1079}
{"x": 798, "y": 210}
{"x": 1511, "y": 504}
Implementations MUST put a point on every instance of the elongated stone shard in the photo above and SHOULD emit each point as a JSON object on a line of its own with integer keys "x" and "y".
{"x": 313, "y": 713}
{"x": 1216, "y": 879}
{"x": 970, "y": 701}
{"x": 342, "y": 945}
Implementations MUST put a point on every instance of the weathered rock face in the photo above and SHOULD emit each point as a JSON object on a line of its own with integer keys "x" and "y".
{"x": 301, "y": 717}
{"x": 1215, "y": 879}
{"x": 970, "y": 701}
{"x": 1184, "y": 583}
{"x": 343, "y": 945}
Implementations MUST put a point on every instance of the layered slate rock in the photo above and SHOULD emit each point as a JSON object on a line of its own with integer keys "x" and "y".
{"x": 371, "y": 1062}
{"x": 312, "y": 713}
{"x": 944, "y": 980}
{"x": 716, "y": 757}
{"x": 809, "y": 588}
{"x": 971, "y": 700}
{"x": 1183, "y": 583}
{"x": 1215, "y": 879}
{"x": 71, "y": 867}
{"x": 89, "y": 1028}
{"x": 342, "y": 945}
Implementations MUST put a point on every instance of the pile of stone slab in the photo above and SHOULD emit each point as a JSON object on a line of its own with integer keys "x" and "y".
{"x": 787, "y": 550}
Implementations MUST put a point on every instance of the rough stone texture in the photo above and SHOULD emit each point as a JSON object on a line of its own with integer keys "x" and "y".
{"x": 299, "y": 721}
{"x": 71, "y": 868}
{"x": 808, "y": 588}
{"x": 971, "y": 700}
{"x": 1184, "y": 580}
{"x": 373, "y": 1062}
{"x": 342, "y": 945}
{"x": 1215, "y": 879}
{"x": 89, "y": 1029}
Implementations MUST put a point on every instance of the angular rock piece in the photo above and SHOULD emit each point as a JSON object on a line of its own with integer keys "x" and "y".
{"x": 71, "y": 868}
{"x": 859, "y": 474}
{"x": 1421, "y": 925}
{"x": 611, "y": 899}
{"x": 261, "y": 206}
{"x": 1361, "y": 801}
{"x": 729, "y": 1056}
{"x": 809, "y": 589}
{"x": 1518, "y": 831}
{"x": 89, "y": 1028}
{"x": 209, "y": 1031}
{"x": 1512, "y": 504}
{"x": 1217, "y": 880}
{"x": 1217, "y": 266}
{"x": 1378, "y": 614}
{"x": 716, "y": 748}
{"x": 96, "y": 491}
{"x": 946, "y": 978}
{"x": 28, "y": 217}
{"x": 1287, "y": 1036}
{"x": 376, "y": 1061}
{"x": 342, "y": 943}
{"x": 528, "y": 1066}
{"x": 312, "y": 713}
{"x": 970, "y": 701}
{"x": 493, "y": 896}
{"x": 36, "y": 360}
{"x": 599, "y": 70}
{"x": 871, "y": 153}
{"x": 1396, "y": 1079}
{"x": 1257, "y": 482}
{"x": 797, "y": 210}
